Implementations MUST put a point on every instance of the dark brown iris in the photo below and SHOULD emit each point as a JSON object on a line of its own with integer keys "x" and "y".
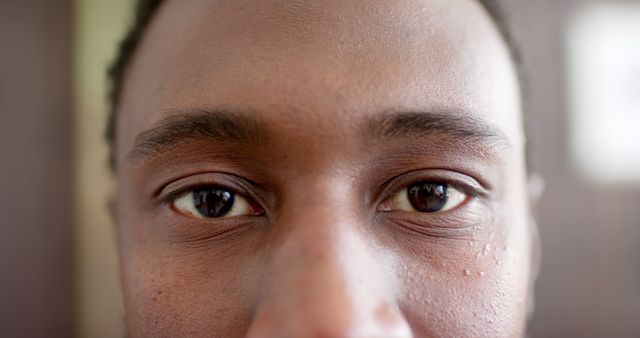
{"x": 213, "y": 202}
{"x": 428, "y": 196}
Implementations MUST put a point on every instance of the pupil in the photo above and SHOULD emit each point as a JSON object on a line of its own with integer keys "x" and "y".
{"x": 428, "y": 197}
{"x": 213, "y": 202}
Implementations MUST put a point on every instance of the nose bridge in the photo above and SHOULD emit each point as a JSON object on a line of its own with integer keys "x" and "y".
{"x": 324, "y": 250}
{"x": 324, "y": 280}
{"x": 323, "y": 244}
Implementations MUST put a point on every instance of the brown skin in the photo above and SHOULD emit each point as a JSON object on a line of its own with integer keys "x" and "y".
{"x": 324, "y": 252}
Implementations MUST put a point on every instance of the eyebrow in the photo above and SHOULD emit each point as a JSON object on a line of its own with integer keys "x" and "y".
{"x": 464, "y": 128}
{"x": 245, "y": 129}
{"x": 183, "y": 125}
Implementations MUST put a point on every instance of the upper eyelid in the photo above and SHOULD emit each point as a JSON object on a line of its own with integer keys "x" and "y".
{"x": 172, "y": 195}
{"x": 246, "y": 187}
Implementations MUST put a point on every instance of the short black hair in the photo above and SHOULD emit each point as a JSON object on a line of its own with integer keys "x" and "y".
{"x": 144, "y": 11}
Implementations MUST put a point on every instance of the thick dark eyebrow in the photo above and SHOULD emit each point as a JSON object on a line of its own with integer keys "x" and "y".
{"x": 230, "y": 127}
{"x": 182, "y": 125}
{"x": 464, "y": 128}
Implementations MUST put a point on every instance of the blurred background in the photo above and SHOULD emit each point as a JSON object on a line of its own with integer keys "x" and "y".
{"x": 58, "y": 266}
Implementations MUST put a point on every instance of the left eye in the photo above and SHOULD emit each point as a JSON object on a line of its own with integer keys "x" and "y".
{"x": 212, "y": 203}
{"x": 427, "y": 197}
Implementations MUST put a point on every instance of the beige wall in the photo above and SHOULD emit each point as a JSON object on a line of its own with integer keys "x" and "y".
{"x": 99, "y": 25}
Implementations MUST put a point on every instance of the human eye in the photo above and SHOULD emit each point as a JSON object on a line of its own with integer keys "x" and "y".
{"x": 427, "y": 197}
{"x": 213, "y": 202}
{"x": 435, "y": 192}
{"x": 436, "y": 203}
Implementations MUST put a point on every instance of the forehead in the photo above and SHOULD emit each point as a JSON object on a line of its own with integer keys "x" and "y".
{"x": 332, "y": 60}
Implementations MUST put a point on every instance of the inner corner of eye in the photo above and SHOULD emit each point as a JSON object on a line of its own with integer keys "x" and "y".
{"x": 395, "y": 202}
{"x": 184, "y": 203}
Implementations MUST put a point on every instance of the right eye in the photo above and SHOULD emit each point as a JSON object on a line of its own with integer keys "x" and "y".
{"x": 213, "y": 202}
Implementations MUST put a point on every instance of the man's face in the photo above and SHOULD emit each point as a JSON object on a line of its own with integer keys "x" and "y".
{"x": 322, "y": 169}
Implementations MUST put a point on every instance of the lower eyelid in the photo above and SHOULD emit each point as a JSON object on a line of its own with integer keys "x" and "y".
{"x": 459, "y": 222}
{"x": 198, "y": 233}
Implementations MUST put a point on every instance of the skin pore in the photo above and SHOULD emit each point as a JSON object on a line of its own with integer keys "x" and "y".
{"x": 316, "y": 119}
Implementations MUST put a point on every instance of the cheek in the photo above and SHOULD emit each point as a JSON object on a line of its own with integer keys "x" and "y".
{"x": 174, "y": 290}
{"x": 476, "y": 291}
{"x": 186, "y": 295}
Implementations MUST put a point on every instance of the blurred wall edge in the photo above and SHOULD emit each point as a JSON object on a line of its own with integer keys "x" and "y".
{"x": 35, "y": 155}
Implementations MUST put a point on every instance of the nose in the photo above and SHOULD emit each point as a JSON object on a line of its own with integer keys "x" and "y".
{"x": 323, "y": 279}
